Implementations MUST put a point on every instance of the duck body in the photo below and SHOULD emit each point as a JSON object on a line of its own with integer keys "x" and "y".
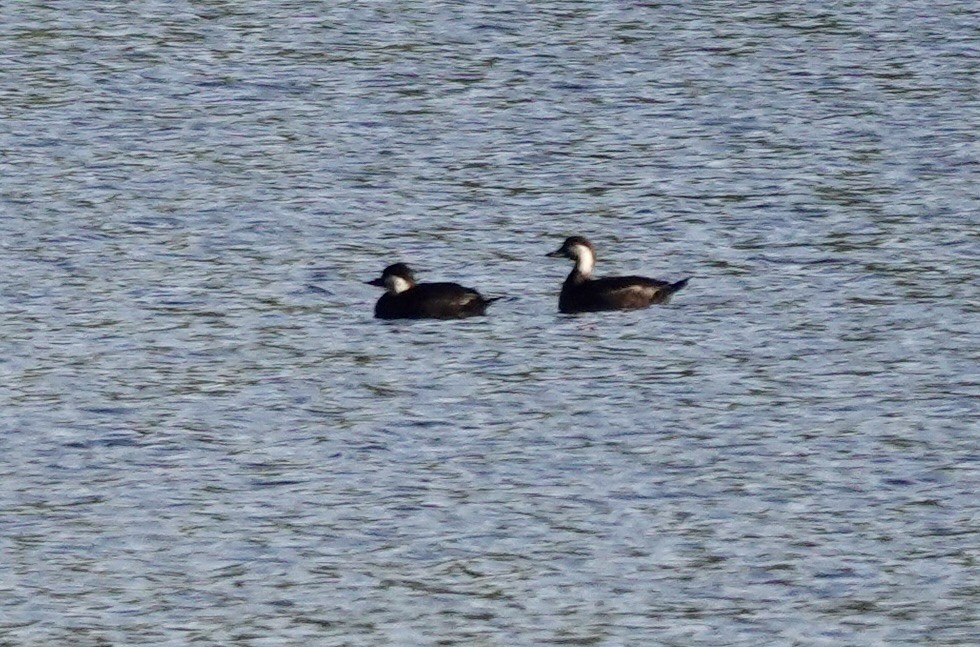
{"x": 406, "y": 299}
{"x": 432, "y": 301}
{"x": 614, "y": 293}
{"x": 582, "y": 293}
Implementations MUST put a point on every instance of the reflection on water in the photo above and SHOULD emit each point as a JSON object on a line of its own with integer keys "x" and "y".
{"x": 207, "y": 438}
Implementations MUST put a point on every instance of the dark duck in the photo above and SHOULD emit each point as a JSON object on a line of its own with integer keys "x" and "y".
{"x": 582, "y": 293}
{"x": 406, "y": 299}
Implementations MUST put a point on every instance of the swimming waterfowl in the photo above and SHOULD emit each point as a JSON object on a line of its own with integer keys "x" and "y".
{"x": 582, "y": 293}
{"x": 406, "y": 299}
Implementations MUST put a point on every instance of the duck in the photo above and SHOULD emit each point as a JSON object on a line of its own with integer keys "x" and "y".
{"x": 582, "y": 293}
{"x": 406, "y": 299}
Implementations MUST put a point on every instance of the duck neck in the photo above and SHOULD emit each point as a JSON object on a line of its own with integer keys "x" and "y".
{"x": 575, "y": 277}
{"x": 398, "y": 284}
{"x": 584, "y": 264}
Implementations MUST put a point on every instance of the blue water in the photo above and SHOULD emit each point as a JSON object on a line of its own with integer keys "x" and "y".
{"x": 206, "y": 438}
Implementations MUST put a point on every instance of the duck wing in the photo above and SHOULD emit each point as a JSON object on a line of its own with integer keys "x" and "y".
{"x": 627, "y": 292}
{"x": 448, "y": 301}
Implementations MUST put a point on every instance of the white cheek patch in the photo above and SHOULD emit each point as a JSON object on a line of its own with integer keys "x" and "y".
{"x": 397, "y": 284}
{"x": 584, "y": 259}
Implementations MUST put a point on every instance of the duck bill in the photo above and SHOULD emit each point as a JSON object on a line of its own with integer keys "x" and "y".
{"x": 378, "y": 283}
{"x": 558, "y": 253}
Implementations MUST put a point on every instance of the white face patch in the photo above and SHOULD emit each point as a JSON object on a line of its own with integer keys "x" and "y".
{"x": 397, "y": 284}
{"x": 584, "y": 259}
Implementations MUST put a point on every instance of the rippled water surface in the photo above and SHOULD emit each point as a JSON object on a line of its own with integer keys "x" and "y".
{"x": 206, "y": 438}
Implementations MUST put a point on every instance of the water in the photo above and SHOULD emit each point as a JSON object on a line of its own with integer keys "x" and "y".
{"x": 207, "y": 438}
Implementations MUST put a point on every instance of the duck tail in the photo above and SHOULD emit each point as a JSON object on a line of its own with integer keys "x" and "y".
{"x": 674, "y": 287}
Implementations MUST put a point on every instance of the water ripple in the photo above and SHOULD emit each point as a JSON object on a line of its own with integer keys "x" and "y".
{"x": 208, "y": 438}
